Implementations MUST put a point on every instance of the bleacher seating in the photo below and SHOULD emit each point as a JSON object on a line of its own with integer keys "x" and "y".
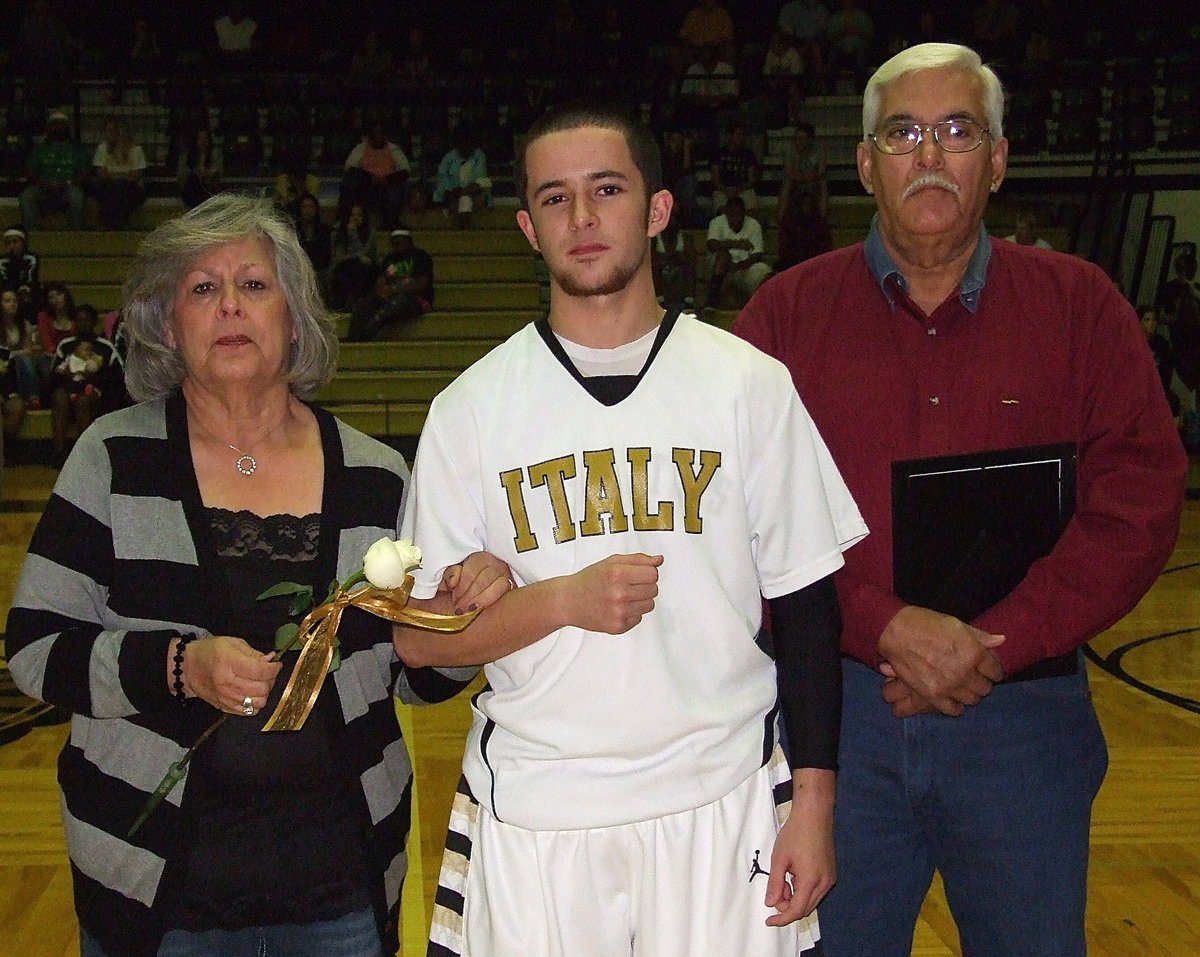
{"x": 488, "y": 287}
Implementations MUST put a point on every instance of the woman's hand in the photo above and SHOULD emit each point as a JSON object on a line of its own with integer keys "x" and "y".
{"x": 225, "y": 671}
{"x": 480, "y": 580}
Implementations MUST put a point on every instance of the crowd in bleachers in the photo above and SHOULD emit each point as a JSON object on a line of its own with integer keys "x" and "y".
{"x": 379, "y": 114}
{"x": 276, "y": 93}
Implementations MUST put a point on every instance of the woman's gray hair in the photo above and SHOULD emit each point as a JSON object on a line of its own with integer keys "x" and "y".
{"x": 155, "y": 369}
{"x": 934, "y": 56}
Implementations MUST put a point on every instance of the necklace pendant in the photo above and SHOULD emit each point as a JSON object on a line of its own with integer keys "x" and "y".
{"x": 246, "y": 463}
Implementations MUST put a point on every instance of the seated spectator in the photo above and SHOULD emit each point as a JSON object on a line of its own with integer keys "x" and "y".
{"x": 782, "y": 66}
{"x": 615, "y": 45}
{"x": 735, "y": 171}
{"x": 21, "y": 388}
{"x": 85, "y": 365}
{"x": 295, "y": 181}
{"x": 850, "y": 33}
{"x": 55, "y": 322}
{"x": 416, "y": 62}
{"x": 112, "y": 328}
{"x": 462, "y": 176}
{"x": 403, "y": 290}
{"x": 40, "y": 47}
{"x": 19, "y": 268}
{"x": 735, "y": 245}
{"x": 236, "y": 34}
{"x": 679, "y": 173}
{"x": 315, "y": 237}
{"x": 804, "y": 169}
{"x": 1164, "y": 355}
{"x": 372, "y": 60}
{"x": 711, "y": 81}
{"x": 803, "y": 229}
{"x": 1026, "y": 233}
{"x": 805, "y": 23}
{"x": 144, "y": 61}
{"x": 199, "y": 169}
{"x": 118, "y": 166}
{"x": 375, "y": 174}
{"x": 56, "y": 170}
{"x": 410, "y": 269}
{"x": 995, "y": 30}
{"x": 707, "y": 24}
{"x": 674, "y": 266}
{"x": 1179, "y": 311}
{"x": 12, "y": 405}
{"x": 354, "y": 258}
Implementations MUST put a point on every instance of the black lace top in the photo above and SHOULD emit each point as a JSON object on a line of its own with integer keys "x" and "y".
{"x": 276, "y": 841}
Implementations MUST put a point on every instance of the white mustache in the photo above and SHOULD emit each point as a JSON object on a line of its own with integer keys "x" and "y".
{"x": 931, "y": 179}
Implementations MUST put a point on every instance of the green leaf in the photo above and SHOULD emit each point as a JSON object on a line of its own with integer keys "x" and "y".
{"x": 285, "y": 636}
{"x": 336, "y": 661}
{"x": 301, "y": 604}
{"x": 286, "y": 588}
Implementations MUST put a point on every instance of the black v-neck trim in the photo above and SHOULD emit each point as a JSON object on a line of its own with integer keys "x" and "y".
{"x": 608, "y": 390}
{"x": 188, "y": 491}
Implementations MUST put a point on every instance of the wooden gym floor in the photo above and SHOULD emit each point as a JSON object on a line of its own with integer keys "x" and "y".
{"x": 1145, "y": 874}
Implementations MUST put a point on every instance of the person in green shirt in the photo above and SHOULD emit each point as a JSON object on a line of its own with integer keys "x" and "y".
{"x": 56, "y": 169}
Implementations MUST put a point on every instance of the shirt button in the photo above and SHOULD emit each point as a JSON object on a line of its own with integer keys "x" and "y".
{"x": 931, "y": 331}
{"x": 933, "y": 400}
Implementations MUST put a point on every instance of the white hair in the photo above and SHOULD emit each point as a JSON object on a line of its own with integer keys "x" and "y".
{"x": 934, "y": 56}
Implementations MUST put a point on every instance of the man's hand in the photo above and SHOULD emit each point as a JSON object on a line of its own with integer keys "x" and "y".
{"x": 904, "y": 701}
{"x": 612, "y": 595}
{"x": 943, "y": 661}
{"x": 803, "y": 849}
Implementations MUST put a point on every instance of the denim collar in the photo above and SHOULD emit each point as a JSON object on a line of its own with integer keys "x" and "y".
{"x": 883, "y": 267}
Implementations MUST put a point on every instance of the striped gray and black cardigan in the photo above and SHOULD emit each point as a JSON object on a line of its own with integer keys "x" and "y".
{"x": 119, "y": 564}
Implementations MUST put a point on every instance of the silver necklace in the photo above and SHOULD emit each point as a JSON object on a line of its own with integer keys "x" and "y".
{"x": 246, "y": 463}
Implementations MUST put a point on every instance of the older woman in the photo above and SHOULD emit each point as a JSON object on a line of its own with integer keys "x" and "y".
{"x": 137, "y": 611}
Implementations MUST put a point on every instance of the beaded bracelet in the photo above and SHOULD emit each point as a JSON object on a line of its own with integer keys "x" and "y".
{"x": 180, "y": 644}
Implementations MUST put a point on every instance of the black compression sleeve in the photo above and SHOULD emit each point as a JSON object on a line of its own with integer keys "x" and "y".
{"x": 806, "y": 627}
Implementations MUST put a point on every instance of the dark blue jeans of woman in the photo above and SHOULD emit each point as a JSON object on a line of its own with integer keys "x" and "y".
{"x": 354, "y": 935}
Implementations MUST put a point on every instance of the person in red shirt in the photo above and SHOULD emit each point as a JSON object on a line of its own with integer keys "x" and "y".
{"x": 969, "y": 747}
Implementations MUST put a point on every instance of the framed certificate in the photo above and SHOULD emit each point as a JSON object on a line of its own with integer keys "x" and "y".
{"x": 966, "y": 528}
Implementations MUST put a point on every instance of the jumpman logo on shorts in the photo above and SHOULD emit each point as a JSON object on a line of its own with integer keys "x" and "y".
{"x": 755, "y": 869}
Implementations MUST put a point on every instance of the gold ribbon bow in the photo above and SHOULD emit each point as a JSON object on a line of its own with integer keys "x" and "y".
{"x": 318, "y": 633}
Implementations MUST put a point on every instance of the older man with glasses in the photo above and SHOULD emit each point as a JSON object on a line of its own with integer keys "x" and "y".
{"x": 969, "y": 743}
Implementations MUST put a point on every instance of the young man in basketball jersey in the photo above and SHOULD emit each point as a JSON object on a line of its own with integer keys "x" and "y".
{"x": 648, "y": 478}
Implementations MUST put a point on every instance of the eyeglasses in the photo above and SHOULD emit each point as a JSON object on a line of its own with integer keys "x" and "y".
{"x": 954, "y": 136}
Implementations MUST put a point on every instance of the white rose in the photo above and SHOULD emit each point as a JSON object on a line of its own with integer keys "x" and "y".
{"x": 387, "y": 563}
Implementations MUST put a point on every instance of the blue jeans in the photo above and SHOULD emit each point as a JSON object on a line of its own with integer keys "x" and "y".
{"x": 354, "y": 935}
{"x": 998, "y": 800}
{"x": 26, "y": 376}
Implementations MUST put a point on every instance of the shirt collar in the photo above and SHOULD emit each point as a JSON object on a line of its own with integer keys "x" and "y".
{"x": 883, "y": 267}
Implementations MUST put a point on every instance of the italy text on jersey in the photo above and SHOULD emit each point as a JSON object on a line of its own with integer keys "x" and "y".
{"x": 605, "y": 496}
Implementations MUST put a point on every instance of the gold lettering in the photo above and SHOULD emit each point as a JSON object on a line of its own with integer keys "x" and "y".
{"x": 643, "y": 519}
{"x": 554, "y": 474}
{"x": 694, "y": 484}
{"x": 603, "y": 495}
{"x": 524, "y": 538}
